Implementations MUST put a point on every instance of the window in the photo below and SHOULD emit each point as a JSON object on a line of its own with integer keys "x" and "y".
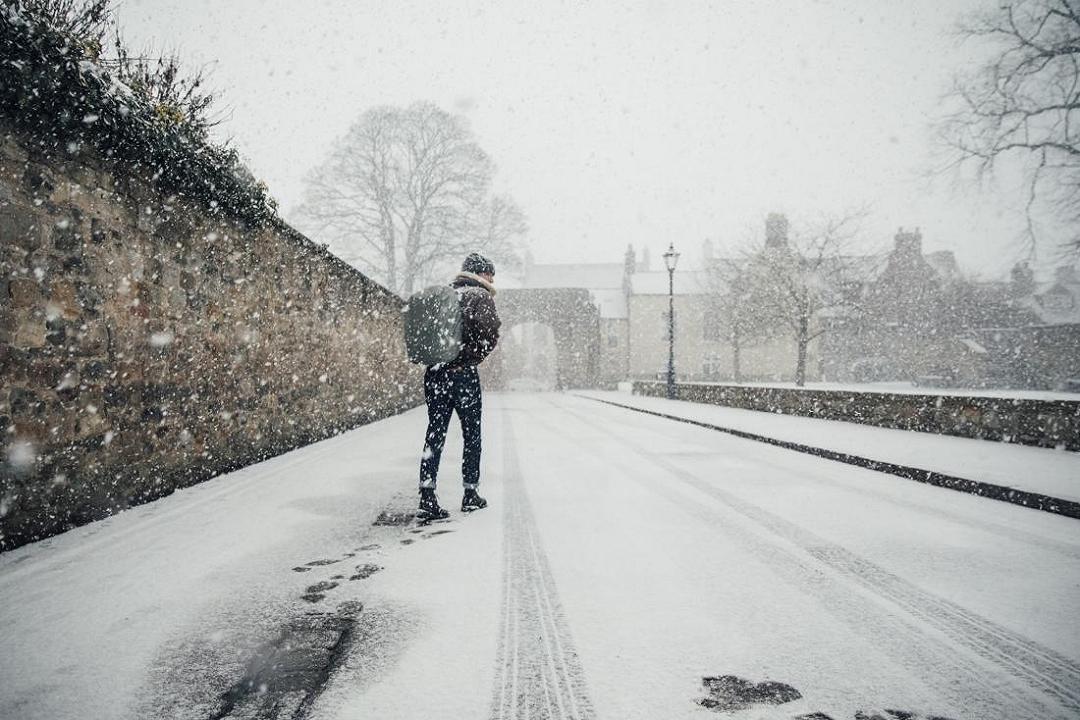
{"x": 710, "y": 327}
{"x": 712, "y": 365}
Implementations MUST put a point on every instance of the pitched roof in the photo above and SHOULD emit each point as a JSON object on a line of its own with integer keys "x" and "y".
{"x": 1056, "y": 302}
{"x": 944, "y": 264}
{"x": 590, "y": 276}
{"x": 604, "y": 281}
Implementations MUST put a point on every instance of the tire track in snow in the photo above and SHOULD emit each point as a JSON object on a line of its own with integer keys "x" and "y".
{"x": 1040, "y": 671}
{"x": 1042, "y": 667}
{"x": 537, "y": 673}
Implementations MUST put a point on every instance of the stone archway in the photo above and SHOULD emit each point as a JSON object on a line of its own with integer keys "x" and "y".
{"x": 573, "y": 318}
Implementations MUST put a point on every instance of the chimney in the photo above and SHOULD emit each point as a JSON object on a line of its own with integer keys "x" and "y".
{"x": 1023, "y": 280}
{"x": 908, "y": 244}
{"x": 646, "y": 261}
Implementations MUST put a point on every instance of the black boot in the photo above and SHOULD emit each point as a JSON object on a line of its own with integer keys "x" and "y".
{"x": 471, "y": 501}
{"x": 429, "y": 506}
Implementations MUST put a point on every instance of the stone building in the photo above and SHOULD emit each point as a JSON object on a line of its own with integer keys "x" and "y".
{"x": 920, "y": 321}
{"x": 632, "y": 299}
{"x": 1053, "y": 302}
{"x": 904, "y": 316}
{"x": 647, "y": 324}
{"x": 1024, "y": 333}
{"x": 906, "y": 313}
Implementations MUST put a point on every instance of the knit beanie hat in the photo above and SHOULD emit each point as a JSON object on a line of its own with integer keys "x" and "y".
{"x": 477, "y": 264}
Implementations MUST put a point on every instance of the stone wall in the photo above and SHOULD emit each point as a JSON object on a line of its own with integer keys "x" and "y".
{"x": 147, "y": 343}
{"x": 1045, "y": 423}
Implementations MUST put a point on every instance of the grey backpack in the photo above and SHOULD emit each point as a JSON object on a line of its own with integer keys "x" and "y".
{"x": 433, "y": 325}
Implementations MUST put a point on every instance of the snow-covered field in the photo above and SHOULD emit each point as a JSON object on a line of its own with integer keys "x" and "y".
{"x": 623, "y": 559}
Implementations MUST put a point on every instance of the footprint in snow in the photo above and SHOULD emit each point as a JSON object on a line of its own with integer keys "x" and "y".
{"x": 863, "y": 715}
{"x": 317, "y": 592}
{"x": 363, "y": 572}
{"x": 394, "y": 518}
{"x": 729, "y": 693}
{"x": 887, "y": 714}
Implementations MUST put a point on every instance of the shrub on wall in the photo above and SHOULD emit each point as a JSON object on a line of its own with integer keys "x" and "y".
{"x": 143, "y": 114}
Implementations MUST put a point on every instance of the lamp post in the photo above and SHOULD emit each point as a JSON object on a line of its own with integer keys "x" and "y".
{"x": 670, "y": 259}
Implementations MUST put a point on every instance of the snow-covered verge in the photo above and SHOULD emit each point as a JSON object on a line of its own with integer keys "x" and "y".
{"x": 1039, "y": 470}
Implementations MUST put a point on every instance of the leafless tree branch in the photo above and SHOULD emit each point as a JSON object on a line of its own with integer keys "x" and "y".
{"x": 790, "y": 283}
{"x": 1023, "y": 102}
{"x": 408, "y": 190}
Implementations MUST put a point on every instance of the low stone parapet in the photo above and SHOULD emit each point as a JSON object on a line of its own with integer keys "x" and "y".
{"x": 1027, "y": 421}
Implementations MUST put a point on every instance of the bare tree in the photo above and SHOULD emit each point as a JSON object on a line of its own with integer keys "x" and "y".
{"x": 1023, "y": 102}
{"x": 500, "y": 228}
{"x": 405, "y": 191}
{"x": 791, "y": 283}
{"x": 733, "y": 307}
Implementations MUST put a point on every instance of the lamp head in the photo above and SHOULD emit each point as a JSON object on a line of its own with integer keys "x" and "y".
{"x": 671, "y": 257}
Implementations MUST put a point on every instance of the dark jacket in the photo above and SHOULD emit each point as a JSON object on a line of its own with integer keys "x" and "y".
{"x": 480, "y": 320}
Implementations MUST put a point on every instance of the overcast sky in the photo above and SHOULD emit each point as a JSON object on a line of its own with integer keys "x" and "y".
{"x": 619, "y": 122}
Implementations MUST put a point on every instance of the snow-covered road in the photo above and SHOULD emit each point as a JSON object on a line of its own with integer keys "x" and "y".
{"x": 623, "y": 559}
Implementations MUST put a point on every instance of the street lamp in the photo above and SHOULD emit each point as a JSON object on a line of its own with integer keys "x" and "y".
{"x": 670, "y": 259}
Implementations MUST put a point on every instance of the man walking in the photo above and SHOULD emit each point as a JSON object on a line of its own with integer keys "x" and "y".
{"x": 455, "y": 387}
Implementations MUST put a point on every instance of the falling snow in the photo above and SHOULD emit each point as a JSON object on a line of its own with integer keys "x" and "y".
{"x": 769, "y": 428}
